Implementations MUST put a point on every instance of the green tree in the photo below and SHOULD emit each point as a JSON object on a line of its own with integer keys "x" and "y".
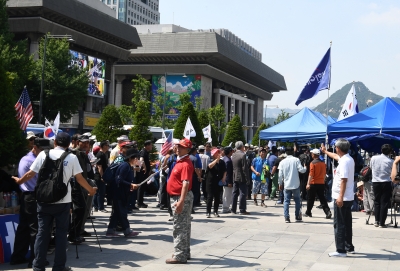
{"x": 188, "y": 111}
{"x": 256, "y": 137}
{"x": 234, "y": 132}
{"x": 17, "y": 63}
{"x": 126, "y": 114}
{"x": 142, "y": 105}
{"x": 65, "y": 86}
{"x": 217, "y": 115}
{"x": 109, "y": 126}
{"x": 281, "y": 117}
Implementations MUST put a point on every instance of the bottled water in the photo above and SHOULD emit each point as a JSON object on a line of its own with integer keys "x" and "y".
{"x": 14, "y": 199}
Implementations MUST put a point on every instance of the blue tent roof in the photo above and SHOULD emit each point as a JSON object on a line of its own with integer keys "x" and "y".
{"x": 305, "y": 126}
{"x": 383, "y": 117}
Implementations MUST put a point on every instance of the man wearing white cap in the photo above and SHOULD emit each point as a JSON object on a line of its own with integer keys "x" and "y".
{"x": 115, "y": 152}
{"x": 30, "y": 136}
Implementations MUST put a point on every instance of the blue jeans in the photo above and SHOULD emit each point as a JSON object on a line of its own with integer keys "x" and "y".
{"x": 46, "y": 214}
{"x": 288, "y": 195}
{"x": 342, "y": 224}
{"x": 99, "y": 196}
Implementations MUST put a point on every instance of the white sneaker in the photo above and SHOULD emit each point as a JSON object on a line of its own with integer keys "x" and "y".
{"x": 171, "y": 218}
{"x": 337, "y": 254}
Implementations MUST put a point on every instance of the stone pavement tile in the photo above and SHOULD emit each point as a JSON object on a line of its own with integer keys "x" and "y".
{"x": 266, "y": 238}
{"x": 277, "y": 256}
{"x": 245, "y": 254}
{"x": 299, "y": 265}
{"x": 307, "y": 256}
{"x": 367, "y": 264}
{"x": 268, "y": 265}
{"x": 252, "y": 245}
{"x": 155, "y": 266}
{"x": 324, "y": 258}
{"x": 233, "y": 263}
{"x": 210, "y": 251}
{"x": 278, "y": 248}
{"x": 329, "y": 267}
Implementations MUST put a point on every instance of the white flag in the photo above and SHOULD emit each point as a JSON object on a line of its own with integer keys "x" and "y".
{"x": 56, "y": 123}
{"x": 207, "y": 131}
{"x": 350, "y": 106}
{"x": 271, "y": 144}
{"x": 189, "y": 130}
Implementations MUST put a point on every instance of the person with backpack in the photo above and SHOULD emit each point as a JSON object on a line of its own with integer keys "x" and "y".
{"x": 25, "y": 235}
{"x": 54, "y": 202}
{"x": 122, "y": 185}
{"x": 260, "y": 176}
{"x": 381, "y": 167}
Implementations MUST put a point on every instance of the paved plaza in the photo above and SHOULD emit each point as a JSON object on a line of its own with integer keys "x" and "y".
{"x": 260, "y": 241}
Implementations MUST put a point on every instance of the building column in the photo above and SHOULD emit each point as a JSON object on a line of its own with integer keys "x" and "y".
{"x": 217, "y": 98}
{"x": 246, "y": 120}
{"x": 231, "y": 109}
{"x": 89, "y": 104}
{"x": 240, "y": 112}
{"x": 251, "y": 120}
{"x": 111, "y": 87}
{"x": 226, "y": 105}
{"x": 118, "y": 90}
{"x": 34, "y": 39}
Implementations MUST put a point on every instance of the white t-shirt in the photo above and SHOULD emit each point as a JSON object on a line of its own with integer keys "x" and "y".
{"x": 71, "y": 167}
{"x": 345, "y": 169}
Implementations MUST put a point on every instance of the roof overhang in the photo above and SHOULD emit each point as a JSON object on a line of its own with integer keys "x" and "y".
{"x": 203, "y": 69}
{"x": 89, "y": 27}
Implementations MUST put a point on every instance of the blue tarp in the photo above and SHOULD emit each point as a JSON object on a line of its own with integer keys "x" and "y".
{"x": 371, "y": 128}
{"x": 304, "y": 126}
{"x": 383, "y": 117}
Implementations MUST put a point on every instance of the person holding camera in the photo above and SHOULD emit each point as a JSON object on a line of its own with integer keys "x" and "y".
{"x": 381, "y": 167}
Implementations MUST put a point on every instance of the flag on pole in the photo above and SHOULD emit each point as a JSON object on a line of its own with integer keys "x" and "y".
{"x": 24, "y": 110}
{"x": 350, "y": 106}
{"x": 207, "y": 131}
{"x": 271, "y": 144}
{"x": 319, "y": 80}
{"x": 48, "y": 131}
{"x": 189, "y": 130}
{"x": 168, "y": 144}
{"x": 56, "y": 123}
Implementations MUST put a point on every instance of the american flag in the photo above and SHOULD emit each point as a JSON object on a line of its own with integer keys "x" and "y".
{"x": 24, "y": 110}
{"x": 167, "y": 145}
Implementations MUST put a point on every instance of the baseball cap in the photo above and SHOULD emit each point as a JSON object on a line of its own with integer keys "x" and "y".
{"x": 63, "y": 139}
{"x": 214, "y": 151}
{"x": 283, "y": 155}
{"x": 83, "y": 138}
{"x": 89, "y": 134}
{"x": 201, "y": 147}
{"x": 246, "y": 145}
{"x": 126, "y": 144}
{"x": 30, "y": 135}
{"x": 315, "y": 151}
{"x": 122, "y": 138}
{"x": 186, "y": 143}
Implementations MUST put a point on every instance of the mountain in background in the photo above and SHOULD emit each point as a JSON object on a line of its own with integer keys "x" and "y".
{"x": 365, "y": 98}
{"x": 274, "y": 112}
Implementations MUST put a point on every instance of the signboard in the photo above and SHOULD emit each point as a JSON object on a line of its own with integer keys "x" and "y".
{"x": 91, "y": 121}
{"x": 8, "y": 227}
{"x": 176, "y": 85}
{"x": 96, "y": 71}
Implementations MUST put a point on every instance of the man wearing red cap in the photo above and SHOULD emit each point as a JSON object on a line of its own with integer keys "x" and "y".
{"x": 179, "y": 188}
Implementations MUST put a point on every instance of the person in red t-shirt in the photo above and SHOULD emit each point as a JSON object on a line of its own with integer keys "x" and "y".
{"x": 179, "y": 188}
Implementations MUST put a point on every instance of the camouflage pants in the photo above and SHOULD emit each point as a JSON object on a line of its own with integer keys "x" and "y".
{"x": 182, "y": 229}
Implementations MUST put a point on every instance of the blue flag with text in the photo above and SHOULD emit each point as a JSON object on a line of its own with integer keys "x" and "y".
{"x": 319, "y": 80}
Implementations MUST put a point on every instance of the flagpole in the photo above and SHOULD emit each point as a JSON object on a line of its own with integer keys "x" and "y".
{"x": 327, "y": 101}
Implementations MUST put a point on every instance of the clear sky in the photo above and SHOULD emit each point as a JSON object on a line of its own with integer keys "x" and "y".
{"x": 293, "y": 36}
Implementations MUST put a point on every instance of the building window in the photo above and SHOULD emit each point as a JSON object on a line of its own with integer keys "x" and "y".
{"x": 108, "y": 2}
{"x": 114, "y": 2}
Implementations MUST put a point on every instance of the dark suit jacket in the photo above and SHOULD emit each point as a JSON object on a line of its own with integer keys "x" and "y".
{"x": 229, "y": 170}
{"x": 240, "y": 168}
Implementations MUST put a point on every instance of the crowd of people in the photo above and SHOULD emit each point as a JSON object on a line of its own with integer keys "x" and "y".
{"x": 222, "y": 178}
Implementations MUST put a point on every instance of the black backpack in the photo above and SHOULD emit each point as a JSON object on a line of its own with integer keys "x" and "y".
{"x": 50, "y": 186}
{"x": 365, "y": 174}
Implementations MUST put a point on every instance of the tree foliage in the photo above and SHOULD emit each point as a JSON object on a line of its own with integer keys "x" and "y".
{"x": 12, "y": 143}
{"x": 256, "y": 137}
{"x": 217, "y": 115}
{"x": 18, "y": 64}
{"x": 65, "y": 86}
{"x": 281, "y": 117}
{"x": 188, "y": 111}
{"x": 234, "y": 132}
{"x": 142, "y": 111}
{"x": 126, "y": 114}
{"x": 109, "y": 125}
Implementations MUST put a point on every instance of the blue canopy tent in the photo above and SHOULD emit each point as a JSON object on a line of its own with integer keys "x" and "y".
{"x": 306, "y": 126}
{"x": 371, "y": 128}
